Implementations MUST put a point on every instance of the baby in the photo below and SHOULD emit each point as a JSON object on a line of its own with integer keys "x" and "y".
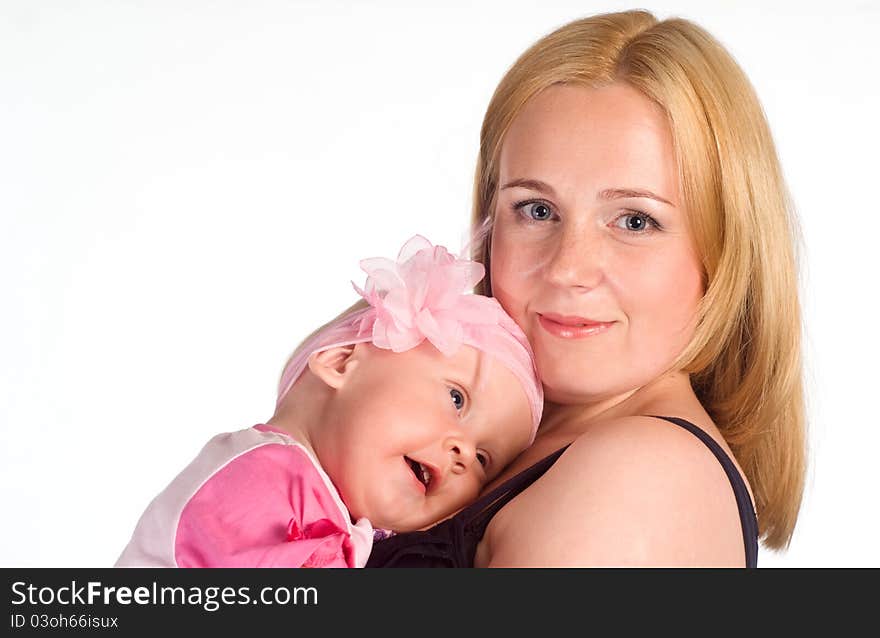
{"x": 389, "y": 419}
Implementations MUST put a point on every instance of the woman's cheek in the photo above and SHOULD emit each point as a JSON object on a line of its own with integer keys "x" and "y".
{"x": 509, "y": 281}
{"x": 506, "y": 294}
{"x": 663, "y": 301}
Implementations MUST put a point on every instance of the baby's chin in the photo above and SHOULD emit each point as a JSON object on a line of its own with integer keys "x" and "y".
{"x": 405, "y": 524}
{"x": 402, "y": 526}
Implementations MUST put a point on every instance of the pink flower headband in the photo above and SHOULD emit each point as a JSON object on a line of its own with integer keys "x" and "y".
{"x": 424, "y": 295}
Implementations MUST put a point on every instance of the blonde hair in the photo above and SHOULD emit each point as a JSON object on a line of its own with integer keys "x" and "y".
{"x": 745, "y": 356}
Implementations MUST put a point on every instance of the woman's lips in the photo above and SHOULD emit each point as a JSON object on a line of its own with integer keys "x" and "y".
{"x": 568, "y": 327}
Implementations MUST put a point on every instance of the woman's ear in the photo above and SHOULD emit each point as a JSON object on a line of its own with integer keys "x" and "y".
{"x": 334, "y": 365}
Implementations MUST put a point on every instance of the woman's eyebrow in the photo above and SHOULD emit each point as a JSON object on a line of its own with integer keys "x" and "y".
{"x": 533, "y": 184}
{"x": 617, "y": 193}
{"x": 606, "y": 194}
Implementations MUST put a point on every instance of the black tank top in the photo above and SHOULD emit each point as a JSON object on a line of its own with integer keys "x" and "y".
{"x": 453, "y": 542}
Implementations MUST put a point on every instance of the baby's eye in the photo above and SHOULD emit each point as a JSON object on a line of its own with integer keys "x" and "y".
{"x": 482, "y": 459}
{"x": 457, "y": 398}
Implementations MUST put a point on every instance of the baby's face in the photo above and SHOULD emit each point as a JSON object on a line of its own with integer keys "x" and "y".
{"x": 412, "y": 437}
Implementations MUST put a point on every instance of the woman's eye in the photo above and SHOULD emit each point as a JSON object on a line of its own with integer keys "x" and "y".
{"x": 636, "y": 222}
{"x": 457, "y": 398}
{"x": 482, "y": 459}
{"x": 535, "y": 211}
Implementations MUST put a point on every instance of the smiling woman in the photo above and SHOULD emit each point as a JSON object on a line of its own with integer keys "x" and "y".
{"x": 590, "y": 249}
{"x": 639, "y": 234}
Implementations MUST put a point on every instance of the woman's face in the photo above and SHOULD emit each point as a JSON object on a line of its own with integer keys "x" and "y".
{"x": 591, "y": 250}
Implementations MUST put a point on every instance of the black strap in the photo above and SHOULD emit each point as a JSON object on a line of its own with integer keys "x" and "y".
{"x": 743, "y": 499}
{"x": 479, "y": 514}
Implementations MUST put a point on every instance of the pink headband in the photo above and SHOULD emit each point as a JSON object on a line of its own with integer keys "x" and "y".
{"x": 423, "y": 295}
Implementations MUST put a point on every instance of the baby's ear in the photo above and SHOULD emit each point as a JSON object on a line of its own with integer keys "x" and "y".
{"x": 334, "y": 365}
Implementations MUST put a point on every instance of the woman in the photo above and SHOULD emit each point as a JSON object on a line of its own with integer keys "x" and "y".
{"x": 640, "y": 234}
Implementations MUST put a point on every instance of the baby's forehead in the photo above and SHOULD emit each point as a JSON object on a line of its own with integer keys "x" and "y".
{"x": 490, "y": 376}
{"x": 469, "y": 365}
{"x": 467, "y": 362}
{"x": 478, "y": 370}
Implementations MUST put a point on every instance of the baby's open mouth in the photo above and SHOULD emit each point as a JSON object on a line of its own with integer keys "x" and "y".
{"x": 423, "y": 474}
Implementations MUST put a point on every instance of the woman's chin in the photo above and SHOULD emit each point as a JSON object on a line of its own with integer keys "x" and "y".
{"x": 585, "y": 391}
{"x": 566, "y": 395}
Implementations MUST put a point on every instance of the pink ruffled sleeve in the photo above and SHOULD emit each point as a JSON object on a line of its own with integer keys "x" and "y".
{"x": 268, "y": 507}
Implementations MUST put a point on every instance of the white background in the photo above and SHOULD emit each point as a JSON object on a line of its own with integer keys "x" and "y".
{"x": 186, "y": 189}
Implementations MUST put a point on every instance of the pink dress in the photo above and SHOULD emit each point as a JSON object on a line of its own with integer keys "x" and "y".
{"x": 252, "y": 498}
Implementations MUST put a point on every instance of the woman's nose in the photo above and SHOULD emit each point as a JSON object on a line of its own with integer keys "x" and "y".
{"x": 575, "y": 259}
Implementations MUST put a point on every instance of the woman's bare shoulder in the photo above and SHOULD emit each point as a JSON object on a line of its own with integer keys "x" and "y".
{"x": 628, "y": 491}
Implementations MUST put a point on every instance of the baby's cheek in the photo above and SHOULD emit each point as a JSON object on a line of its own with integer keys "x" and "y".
{"x": 471, "y": 493}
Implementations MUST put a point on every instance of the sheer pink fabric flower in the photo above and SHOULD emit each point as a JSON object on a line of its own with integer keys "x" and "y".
{"x": 422, "y": 295}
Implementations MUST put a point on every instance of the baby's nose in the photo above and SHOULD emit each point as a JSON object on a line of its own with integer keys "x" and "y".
{"x": 463, "y": 453}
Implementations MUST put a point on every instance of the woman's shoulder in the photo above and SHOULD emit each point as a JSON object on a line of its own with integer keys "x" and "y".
{"x": 632, "y": 490}
{"x": 646, "y": 443}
